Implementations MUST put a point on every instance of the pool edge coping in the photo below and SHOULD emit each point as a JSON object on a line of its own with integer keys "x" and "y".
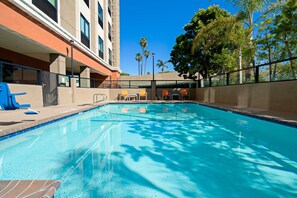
{"x": 8, "y": 133}
{"x": 247, "y": 113}
{"x": 23, "y": 129}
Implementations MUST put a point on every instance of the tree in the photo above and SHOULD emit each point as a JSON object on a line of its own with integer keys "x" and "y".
{"x": 186, "y": 63}
{"x": 124, "y": 74}
{"x": 286, "y": 32}
{"x": 138, "y": 58}
{"x": 277, "y": 40}
{"x": 161, "y": 64}
{"x": 247, "y": 10}
{"x": 146, "y": 56}
{"x": 223, "y": 39}
{"x": 143, "y": 43}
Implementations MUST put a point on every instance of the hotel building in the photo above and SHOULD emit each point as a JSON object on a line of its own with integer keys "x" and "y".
{"x": 79, "y": 37}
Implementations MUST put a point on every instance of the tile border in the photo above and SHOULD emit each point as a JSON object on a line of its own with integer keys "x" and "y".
{"x": 20, "y": 130}
{"x": 252, "y": 115}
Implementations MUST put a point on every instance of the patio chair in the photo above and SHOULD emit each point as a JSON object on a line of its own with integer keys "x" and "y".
{"x": 8, "y": 100}
{"x": 165, "y": 94}
{"x": 185, "y": 94}
{"x": 142, "y": 94}
{"x": 124, "y": 94}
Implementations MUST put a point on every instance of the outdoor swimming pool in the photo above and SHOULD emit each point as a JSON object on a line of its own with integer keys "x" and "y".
{"x": 157, "y": 150}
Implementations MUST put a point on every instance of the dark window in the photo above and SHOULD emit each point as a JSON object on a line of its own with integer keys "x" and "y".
{"x": 110, "y": 56}
{"x": 100, "y": 15}
{"x": 109, "y": 31}
{"x": 84, "y": 31}
{"x": 100, "y": 47}
{"x": 109, "y": 7}
{"x": 87, "y": 2}
{"x": 48, "y": 7}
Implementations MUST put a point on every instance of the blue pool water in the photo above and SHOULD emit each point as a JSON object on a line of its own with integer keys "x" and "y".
{"x": 157, "y": 150}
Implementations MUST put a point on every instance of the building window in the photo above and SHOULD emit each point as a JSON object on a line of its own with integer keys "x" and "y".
{"x": 53, "y": 2}
{"x": 109, "y": 31}
{"x": 110, "y": 56}
{"x": 87, "y": 2}
{"x": 109, "y": 7}
{"x": 100, "y": 15}
{"x": 84, "y": 31}
{"x": 48, "y": 7}
{"x": 100, "y": 47}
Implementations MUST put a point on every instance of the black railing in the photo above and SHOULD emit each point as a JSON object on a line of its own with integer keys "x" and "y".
{"x": 282, "y": 70}
{"x": 118, "y": 84}
{"x": 47, "y": 8}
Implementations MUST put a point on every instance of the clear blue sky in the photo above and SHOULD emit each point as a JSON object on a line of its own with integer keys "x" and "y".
{"x": 160, "y": 21}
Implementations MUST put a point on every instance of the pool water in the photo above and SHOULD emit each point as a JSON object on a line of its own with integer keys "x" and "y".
{"x": 157, "y": 150}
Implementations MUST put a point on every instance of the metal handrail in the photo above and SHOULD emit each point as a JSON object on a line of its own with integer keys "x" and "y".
{"x": 95, "y": 98}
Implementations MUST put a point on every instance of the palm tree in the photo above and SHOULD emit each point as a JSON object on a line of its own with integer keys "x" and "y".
{"x": 247, "y": 9}
{"x": 143, "y": 43}
{"x": 146, "y": 55}
{"x": 138, "y": 58}
{"x": 162, "y": 64}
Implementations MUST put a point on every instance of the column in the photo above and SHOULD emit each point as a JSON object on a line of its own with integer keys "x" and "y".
{"x": 85, "y": 77}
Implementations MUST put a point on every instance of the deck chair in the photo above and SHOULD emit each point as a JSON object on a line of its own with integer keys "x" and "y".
{"x": 142, "y": 94}
{"x": 185, "y": 94}
{"x": 8, "y": 100}
{"x": 124, "y": 94}
{"x": 165, "y": 94}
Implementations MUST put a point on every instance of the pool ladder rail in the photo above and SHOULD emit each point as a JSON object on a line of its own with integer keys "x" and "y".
{"x": 97, "y": 98}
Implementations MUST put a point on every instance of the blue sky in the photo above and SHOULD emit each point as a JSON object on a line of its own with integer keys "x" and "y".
{"x": 160, "y": 21}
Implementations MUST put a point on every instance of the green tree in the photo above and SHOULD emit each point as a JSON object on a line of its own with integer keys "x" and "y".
{"x": 186, "y": 63}
{"x": 286, "y": 32}
{"x": 247, "y": 10}
{"x": 138, "y": 58}
{"x": 143, "y": 43}
{"x": 268, "y": 48}
{"x": 161, "y": 64}
{"x": 223, "y": 39}
{"x": 124, "y": 74}
{"x": 146, "y": 56}
{"x": 277, "y": 40}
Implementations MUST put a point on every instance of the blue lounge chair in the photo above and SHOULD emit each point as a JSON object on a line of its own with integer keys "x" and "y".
{"x": 7, "y": 99}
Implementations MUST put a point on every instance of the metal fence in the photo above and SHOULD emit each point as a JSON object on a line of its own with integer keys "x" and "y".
{"x": 117, "y": 84}
{"x": 282, "y": 70}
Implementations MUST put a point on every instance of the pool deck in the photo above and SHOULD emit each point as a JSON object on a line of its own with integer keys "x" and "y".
{"x": 14, "y": 121}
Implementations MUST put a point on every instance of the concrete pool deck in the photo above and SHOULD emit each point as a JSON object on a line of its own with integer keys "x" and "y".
{"x": 14, "y": 121}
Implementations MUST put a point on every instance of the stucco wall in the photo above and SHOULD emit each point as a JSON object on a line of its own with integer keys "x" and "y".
{"x": 64, "y": 95}
{"x": 33, "y": 94}
{"x": 276, "y": 96}
{"x": 85, "y": 95}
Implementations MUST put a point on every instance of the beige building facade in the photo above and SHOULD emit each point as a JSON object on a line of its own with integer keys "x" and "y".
{"x": 50, "y": 34}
